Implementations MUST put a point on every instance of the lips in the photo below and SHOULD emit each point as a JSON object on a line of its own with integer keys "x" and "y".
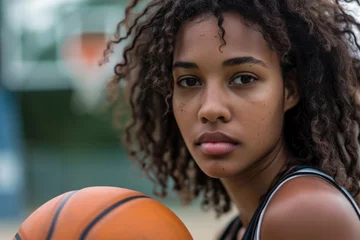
{"x": 215, "y": 137}
{"x": 216, "y": 143}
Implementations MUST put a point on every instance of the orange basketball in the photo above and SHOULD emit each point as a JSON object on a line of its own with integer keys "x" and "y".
{"x": 103, "y": 213}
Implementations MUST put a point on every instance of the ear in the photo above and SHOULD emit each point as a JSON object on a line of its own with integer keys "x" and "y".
{"x": 291, "y": 90}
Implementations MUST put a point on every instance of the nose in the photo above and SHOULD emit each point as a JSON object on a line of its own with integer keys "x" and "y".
{"x": 214, "y": 105}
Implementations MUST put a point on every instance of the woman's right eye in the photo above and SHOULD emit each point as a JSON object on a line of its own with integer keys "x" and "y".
{"x": 189, "y": 82}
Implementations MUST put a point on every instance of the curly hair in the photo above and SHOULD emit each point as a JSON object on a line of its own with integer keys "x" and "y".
{"x": 315, "y": 38}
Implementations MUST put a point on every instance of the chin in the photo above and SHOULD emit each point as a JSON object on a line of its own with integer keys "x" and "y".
{"x": 218, "y": 168}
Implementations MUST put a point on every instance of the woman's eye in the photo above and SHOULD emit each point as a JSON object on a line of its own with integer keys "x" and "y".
{"x": 243, "y": 80}
{"x": 189, "y": 82}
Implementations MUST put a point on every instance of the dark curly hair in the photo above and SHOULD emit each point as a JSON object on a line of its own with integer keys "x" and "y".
{"x": 315, "y": 38}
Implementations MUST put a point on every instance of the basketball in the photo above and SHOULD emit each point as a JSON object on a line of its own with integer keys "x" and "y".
{"x": 103, "y": 213}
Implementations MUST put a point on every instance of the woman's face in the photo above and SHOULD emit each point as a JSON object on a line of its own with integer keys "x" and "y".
{"x": 228, "y": 104}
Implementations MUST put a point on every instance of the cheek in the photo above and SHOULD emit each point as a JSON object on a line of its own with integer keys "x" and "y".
{"x": 183, "y": 117}
{"x": 264, "y": 122}
{"x": 179, "y": 108}
{"x": 184, "y": 106}
{"x": 268, "y": 110}
{"x": 181, "y": 114}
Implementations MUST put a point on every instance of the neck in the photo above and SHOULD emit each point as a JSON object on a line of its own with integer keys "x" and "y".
{"x": 247, "y": 188}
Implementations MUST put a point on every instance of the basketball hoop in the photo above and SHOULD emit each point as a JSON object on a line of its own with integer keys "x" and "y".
{"x": 81, "y": 55}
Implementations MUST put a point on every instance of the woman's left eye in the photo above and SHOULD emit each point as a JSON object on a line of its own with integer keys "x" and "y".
{"x": 243, "y": 80}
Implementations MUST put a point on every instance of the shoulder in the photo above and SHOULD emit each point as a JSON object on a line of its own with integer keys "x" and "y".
{"x": 310, "y": 208}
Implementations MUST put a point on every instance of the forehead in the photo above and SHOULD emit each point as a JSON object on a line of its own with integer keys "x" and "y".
{"x": 202, "y": 36}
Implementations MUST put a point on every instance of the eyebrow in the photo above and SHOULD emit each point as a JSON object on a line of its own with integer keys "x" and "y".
{"x": 187, "y": 65}
{"x": 243, "y": 60}
{"x": 226, "y": 63}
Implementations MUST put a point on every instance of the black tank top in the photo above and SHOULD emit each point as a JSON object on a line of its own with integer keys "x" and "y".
{"x": 253, "y": 229}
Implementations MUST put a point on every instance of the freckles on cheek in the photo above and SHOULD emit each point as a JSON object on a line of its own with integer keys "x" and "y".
{"x": 182, "y": 120}
{"x": 180, "y": 107}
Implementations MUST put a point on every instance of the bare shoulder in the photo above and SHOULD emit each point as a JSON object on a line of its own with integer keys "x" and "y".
{"x": 310, "y": 208}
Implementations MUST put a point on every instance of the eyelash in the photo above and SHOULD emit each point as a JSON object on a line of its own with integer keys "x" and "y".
{"x": 254, "y": 80}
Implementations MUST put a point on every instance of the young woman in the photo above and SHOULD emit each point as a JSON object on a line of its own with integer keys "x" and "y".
{"x": 252, "y": 103}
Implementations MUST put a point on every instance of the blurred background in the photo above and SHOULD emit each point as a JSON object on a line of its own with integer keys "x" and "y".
{"x": 54, "y": 137}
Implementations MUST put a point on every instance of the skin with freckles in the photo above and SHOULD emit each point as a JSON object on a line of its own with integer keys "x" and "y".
{"x": 228, "y": 96}
{"x": 245, "y": 100}
{"x": 239, "y": 90}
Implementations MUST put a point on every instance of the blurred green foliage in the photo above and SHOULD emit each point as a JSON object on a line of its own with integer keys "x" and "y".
{"x": 49, "y": 120}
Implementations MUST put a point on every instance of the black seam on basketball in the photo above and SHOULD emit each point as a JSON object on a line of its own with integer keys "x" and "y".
{"x": 57, "y": 213}
{"x": 105, "y": 212}
{"x": 17, "y": 236}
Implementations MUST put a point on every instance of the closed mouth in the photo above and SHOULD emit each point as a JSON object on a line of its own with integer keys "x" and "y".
{"x": 215, "y": 137}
